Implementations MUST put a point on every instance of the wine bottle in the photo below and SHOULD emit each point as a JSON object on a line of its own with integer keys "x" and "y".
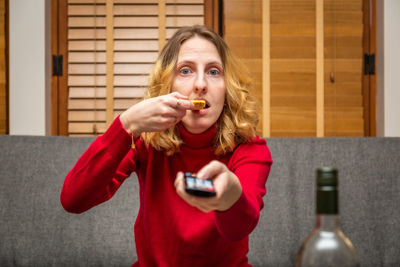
{"x": 327, "y": 246}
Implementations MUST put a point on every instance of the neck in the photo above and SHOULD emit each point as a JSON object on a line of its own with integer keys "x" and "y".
{"x": 201, "y": 140}
{"x": 327, "y": 222}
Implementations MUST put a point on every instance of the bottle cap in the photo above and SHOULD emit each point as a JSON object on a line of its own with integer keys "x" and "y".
{"x": 327, "y": 176}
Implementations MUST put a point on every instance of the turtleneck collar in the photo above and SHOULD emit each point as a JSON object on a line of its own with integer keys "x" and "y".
{"x": 201, "y": 140}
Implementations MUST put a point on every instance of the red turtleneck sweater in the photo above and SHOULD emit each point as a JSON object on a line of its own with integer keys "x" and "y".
{"x": 168, "y": 231}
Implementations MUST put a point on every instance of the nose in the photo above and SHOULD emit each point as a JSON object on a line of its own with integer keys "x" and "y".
{"x": 200, "y": 85}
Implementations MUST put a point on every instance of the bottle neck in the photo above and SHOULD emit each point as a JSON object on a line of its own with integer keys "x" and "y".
{"x": 327, "y": 222}
{"x": 327, "y": 200}
{"x": 327, "y": 208}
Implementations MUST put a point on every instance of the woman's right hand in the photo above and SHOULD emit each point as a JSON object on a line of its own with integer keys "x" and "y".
{"x": 155, "y": 114}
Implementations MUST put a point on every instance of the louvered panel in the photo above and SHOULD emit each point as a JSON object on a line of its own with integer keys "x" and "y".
{"x": 86, "y": 128}
{"x": 85, "y": 80}
{"x": 131, "y": 80}
{"x": 348, "y": 64}
{"x": 289, "y": 41}
{"x": 344, "y": 16}
{"x": 86, "y": 1}
{"x": 152, "y": 22}
{"x": 86, "y": 22}
{"x": 135, "y": 2}
{"x": 136, "y": 10}
{"x": 79, "y": 69}
{"x": 78, "y": 9}
{"x": 86, "y": 57}
{"x": 141, "y": 57}
{"x": 100, "y": 92}
{"x": 138, "y": 33}
{"x": 146, "y": 22}
{"x": 85, "y": 34}
{"x": 343, "y": 60}
{"x": 100, "y": 68}
{"x": 282, "y": 52}
{"x": 136, "y": 45}
{"x": 156, "y": 1}
{"x": 83, "y": 45}
{"x": 90, "y": 104}
{"x": 293, "y": 30}
{"x": 77, "y": 116}
{"x": 291, "y": 16}
{"x": 87, "y": 10}
{"x": 293, "y": 65}
{"x": 135, "y": 33}
{"x": 293, "y": 68}
{"x": 134, "y": 68}
{"x": 289, "y": 5}
{"x": 135, "y": 51}
{"x": 286, "y": 118}
{"x": 100, "y": 80}
{"x": 171, "y": 10}
{"x": 342, "y": 41}
{"x": 288, "y": 88}
{"x": 341, "y": 5}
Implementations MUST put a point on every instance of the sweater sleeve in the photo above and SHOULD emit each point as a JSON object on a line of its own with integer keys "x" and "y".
{"x": 251, "y": 163}
{"x": 100, "y": 171}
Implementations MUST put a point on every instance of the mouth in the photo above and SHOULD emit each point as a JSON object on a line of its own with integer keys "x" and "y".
{"x": 207, "y": 104}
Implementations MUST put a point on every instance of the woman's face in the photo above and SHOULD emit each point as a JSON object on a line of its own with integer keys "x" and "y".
{"x": 199, "y": 74}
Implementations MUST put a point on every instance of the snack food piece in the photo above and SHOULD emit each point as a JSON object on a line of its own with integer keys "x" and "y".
{"x": 198, "y": 104}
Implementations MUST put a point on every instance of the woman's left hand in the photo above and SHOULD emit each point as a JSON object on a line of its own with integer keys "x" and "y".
{"x": 227, "y": 186}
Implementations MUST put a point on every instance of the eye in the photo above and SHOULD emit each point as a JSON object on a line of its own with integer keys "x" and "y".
{"x": 185, "y": 71}
{"x": 214, "y": 72}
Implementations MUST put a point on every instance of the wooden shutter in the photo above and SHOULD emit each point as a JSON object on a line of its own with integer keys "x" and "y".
{"x": 293, "y": 68}
{"x": 344, "y": 107}
{"x": 243, "y": 34}
{"x": 135, "y": 49}
{"x": 290, "y": 107}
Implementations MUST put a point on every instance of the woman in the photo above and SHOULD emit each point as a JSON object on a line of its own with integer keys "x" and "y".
{"x": 170, "y": 137}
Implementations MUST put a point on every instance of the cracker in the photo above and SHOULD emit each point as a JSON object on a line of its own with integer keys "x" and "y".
{"x": 198, "y": 104}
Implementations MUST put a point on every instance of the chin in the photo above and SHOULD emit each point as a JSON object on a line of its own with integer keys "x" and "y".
{"x": 197, "y": 127}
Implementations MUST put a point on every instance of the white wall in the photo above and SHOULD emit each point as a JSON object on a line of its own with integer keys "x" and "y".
{"x": 29, "y": 64}
{"x": 388, "y": 83}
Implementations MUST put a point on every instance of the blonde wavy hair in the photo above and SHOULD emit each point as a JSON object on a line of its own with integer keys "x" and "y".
{"x": 239, "y": 117}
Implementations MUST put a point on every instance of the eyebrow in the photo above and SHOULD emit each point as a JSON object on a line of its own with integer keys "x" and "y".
{"x": 190, "y": 62}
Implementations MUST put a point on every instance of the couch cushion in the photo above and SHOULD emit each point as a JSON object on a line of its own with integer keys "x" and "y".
{"x": 36, "y": 231}
{"x": 369, "y": 186}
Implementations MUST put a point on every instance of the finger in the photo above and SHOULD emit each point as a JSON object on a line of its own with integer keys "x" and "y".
{"x": 170, "y": 110}
{"x": 180, "y": 186}
{"x": 183, "y": 104}
{"x": 181, "y": 101}
{"x": 179, "y": 95}
{"x": 212, "y": 169}
{"x": 203, "y": 204}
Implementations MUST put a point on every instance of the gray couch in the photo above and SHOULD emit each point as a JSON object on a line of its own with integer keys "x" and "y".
{"x": 36, "y": 231}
